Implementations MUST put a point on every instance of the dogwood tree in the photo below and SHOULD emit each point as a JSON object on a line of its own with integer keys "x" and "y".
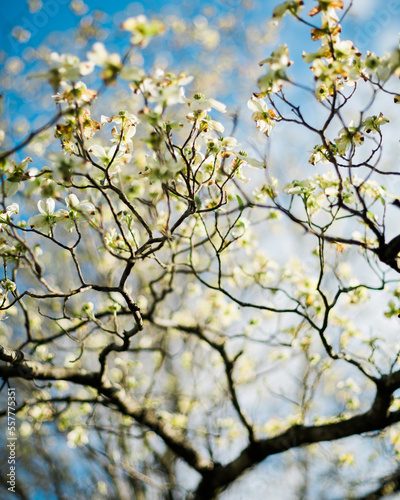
{"x": 191, "y": 316}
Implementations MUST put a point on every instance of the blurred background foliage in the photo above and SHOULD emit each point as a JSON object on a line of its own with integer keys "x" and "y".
{"x": 220, "y": 44}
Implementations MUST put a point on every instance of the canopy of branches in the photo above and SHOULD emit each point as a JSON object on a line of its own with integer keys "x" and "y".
{"x": 201, "y": 301}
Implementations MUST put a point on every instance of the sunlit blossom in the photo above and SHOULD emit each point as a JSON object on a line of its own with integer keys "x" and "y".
{"x": 264, "y": 117}
{"x": 47, "y": 217}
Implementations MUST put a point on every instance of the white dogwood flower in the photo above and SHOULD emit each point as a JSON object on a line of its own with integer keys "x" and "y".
{"x": 81, "y": 211}
{"x": 47, "y": 217}
{"x": 264, "y": 117}
{"x": 200, "y": 103}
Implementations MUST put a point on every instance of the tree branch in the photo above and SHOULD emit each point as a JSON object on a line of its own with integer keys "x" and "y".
{"x": 116, "y": 396}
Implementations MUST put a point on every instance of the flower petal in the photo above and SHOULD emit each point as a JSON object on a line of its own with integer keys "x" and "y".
{"x": 72, "y": 201}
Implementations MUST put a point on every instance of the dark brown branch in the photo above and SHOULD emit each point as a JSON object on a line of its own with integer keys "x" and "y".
{"x": 388, "y": 486}
{"x": 376, "y": 418}
{"x": 116, "y": 396}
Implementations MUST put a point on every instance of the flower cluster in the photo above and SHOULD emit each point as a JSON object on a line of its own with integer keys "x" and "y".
{"x": 66, "y": 68}
{"x": 277, "y": 65}
{"x": 293, "y": 7}
{"x": 111, "y": 63}
{"x": 323, "y": 190}
{"x": 77, "y": 212}
{"x": 142, "y": 29}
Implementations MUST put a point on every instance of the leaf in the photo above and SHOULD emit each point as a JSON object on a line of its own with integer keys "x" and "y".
{"x": 240, "y": 202}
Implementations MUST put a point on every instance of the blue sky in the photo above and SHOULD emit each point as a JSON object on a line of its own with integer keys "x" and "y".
{"x": 373, "y": 26}
{"x": 57, "y": 15}
{"x": 375, "y": 22}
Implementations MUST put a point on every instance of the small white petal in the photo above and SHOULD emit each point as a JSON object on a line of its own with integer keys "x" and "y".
{"x": 38, "y": 221}
{"x": 50, "y": 204}
{"x": 258, "y": 105}
{"x": 98, "y": 151}
{"x": 72, "y": 201}
{"x": 13, "y": 208}
{"x": 219, "y": 106}
{"x": 86, "y": 208}
{"x": 46, "y": 207}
